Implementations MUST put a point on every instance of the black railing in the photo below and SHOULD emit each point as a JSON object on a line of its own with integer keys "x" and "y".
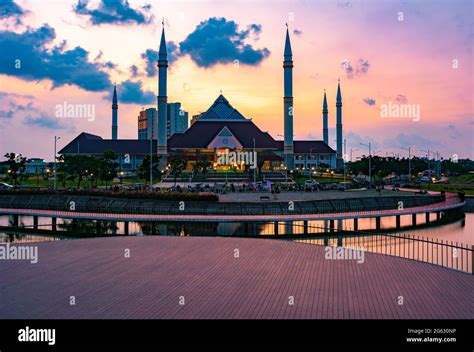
{"x": 445, "y": 253}
{"x": 74, "y": 203}
{"x": 440, "y": 252}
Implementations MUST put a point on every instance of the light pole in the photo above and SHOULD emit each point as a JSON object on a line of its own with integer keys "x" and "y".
{"x": 438, "y": 164}
{"x": 370, "y": 161}
{"x": 255, "y": 168}
{"x": 56, "y": 139}
{"x": 353, "y": 150}
{"x": 344, "y": 163}
{"x": 409, "y": 160}
{"x": 428, "y": 152}
{"x": 286, "y": 161}
{"x": 151, "y": 164}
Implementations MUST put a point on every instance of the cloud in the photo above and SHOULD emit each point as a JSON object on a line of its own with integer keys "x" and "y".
{"x": 413, "y": 140}
{"x": 10, "y": 8}
{"x": 361, "y": 68}
{"x": 25, "y": 55}
{"x": 109, "y": 65}
{"x": 297, "y": 33}
{"x": 129, "y": 92}
{"x": 453, "y": 132}
{"x": 6, "y": 114}
{"x": 13, "y": 107}
{"x": 134, "y": 71}
{"x": 354, "y": 140}
{"x": 344, "y": 4}
{"x": 16, "y": 95}
{"x": 369, "y": 101}
{"x": 113, "y": 12}
{"x": 151, "y": 57}
{"x": 401, "y": 99}
{"x": 219, "y": 41}
{"x": 45, "y": 121}
{"x": 346, "y": 65}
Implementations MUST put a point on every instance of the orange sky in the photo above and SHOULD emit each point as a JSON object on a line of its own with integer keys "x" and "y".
{"x": 413, "y": 58}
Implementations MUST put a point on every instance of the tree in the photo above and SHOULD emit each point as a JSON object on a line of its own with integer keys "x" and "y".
{"x": 177, "y": 165}
{"x": 108, "y": 166}
{"x": 77, "y": 167}
{"x": 16, "y": 166}
{"x": 144, "y": 169}
{"x": 201, "y": 165}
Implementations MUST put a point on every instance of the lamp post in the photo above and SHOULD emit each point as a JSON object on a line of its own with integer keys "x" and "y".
{"x": 286, "y": 162}
{"x": 255, "y": 168}
{"x": 409, "y": 160}
{"x": 438, "y": 164}
{"x": 353, "y": 150}
{"x": 56, "y": 139}
{"x": 370, "y": 161}
{"x": 151, "y": 164}
{"x": 428, "y": 152}
{"x": 344, "y": 163}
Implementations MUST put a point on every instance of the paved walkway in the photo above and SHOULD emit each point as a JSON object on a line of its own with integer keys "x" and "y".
{"x": 302, "y": 196}
{"x": 204, "y": 273}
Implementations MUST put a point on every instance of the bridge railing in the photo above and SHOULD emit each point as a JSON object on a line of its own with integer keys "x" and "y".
{"x": 144, "y": 206}
{"x": 449, "y": 254}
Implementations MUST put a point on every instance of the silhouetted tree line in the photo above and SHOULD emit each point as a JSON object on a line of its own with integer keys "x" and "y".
{"x": 385, "y": 166}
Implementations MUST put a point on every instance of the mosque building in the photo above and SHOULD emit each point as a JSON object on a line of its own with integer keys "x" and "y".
{"x": 220, "y": 129}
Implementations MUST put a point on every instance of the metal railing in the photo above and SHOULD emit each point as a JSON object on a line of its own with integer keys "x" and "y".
{"x": 444, "y": 253}
{"x": 449, "y": 254}
{"x": 112, "y": 205}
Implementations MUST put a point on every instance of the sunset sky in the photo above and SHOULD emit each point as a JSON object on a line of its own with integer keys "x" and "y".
{"x": 403, "y": 52}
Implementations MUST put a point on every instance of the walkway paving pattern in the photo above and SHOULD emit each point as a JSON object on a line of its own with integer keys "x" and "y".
{"x": 206, "y": 277}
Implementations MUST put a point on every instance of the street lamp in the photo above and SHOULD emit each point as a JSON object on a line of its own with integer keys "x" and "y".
{"x": 121, "y": 173}
{"x": 438, "y": 164}
{"x": 255, "y": 168}
{"x": 151, "y": 163}
{"x": 344, "y": 163}
{"x": 409, "y": 160}
{"x": 56, "y": 139}
{"x": 353, "y": 150}
{"x": 428, "y": 152}
{"x": 370, "y": 161}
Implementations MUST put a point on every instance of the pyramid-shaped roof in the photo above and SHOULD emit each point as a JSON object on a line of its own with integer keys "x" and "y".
{"x": 222, "y": 110}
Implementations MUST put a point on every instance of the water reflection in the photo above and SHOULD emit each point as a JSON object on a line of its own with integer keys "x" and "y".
{"x": 43, "y": 228}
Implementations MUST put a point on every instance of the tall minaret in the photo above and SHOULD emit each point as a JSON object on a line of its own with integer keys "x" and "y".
{"x": 339, "y": 125}
{"x": 288, "y": 103}
{"x": 325, "y": 119}
{"x": 114, "y": 114}
{"x": 162, "y": 98}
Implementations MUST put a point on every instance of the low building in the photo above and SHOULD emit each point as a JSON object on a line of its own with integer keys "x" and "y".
{"x": 36, "y": 166}
{"x": 130, "y": 152}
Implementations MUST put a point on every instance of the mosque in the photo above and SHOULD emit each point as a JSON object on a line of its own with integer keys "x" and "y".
{"x": 220, "y": 129}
